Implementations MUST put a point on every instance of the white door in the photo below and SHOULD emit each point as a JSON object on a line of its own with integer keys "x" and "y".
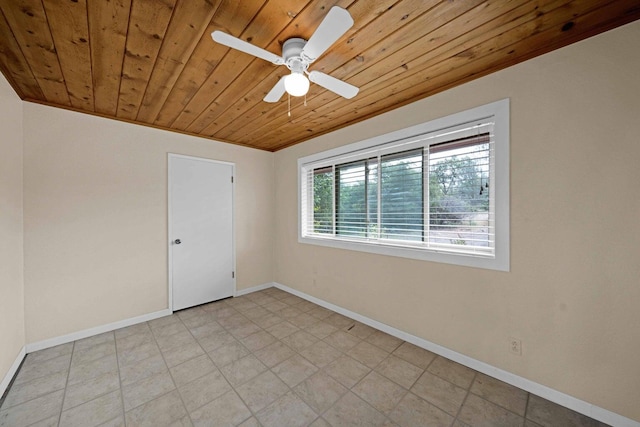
{"x": 201, "y": 249}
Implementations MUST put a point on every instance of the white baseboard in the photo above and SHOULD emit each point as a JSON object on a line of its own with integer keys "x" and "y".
{"x": 52, "y": 342}
{"x": 245, "y": 291}
{"x": 12, "y": 371}
{"x": 543, "y": 391}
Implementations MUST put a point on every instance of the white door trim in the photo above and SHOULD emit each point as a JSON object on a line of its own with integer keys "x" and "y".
{"x": 169, "y": 231}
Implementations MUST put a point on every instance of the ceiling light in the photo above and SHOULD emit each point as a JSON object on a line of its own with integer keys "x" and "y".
{"x": 296, "y": 84}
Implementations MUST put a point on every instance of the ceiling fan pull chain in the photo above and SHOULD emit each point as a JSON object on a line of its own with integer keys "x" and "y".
{"x": 305, "y": 99}
{"x": 289, "y": 105}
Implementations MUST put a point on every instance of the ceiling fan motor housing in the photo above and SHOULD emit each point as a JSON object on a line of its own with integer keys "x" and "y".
{"x": 293, "y": 57}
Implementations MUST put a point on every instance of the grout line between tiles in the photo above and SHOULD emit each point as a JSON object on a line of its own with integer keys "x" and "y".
{"x": 466, "y": 396}
{"x": 169, "y": 370}
{"x": 66, "y": 383}
{"x": 526, "y": 407}
{"x": 124, "y": 417}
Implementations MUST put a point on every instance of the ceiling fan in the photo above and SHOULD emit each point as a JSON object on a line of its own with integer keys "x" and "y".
{"x": 298, "y": 54}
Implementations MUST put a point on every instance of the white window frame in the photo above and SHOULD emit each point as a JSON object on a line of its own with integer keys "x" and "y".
{"x": 499, "y": 112}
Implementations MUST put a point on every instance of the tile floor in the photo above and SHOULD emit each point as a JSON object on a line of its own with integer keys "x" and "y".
{"x": 264, "y": 359}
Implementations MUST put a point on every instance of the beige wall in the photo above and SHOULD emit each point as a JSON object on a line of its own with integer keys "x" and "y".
{"x": 95, "y": 214}
{"x": 573, "y": 293}
{"x": 12, "y": 335}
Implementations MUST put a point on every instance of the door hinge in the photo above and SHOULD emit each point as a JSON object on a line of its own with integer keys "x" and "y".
{"x": 232, "y": 179}
{"x": 233, "y": 274}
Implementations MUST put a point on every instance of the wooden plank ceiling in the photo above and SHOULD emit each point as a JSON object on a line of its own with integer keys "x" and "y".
{"x": 153, "y": 62}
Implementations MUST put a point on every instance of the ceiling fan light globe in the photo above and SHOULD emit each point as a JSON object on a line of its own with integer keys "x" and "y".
{"x": 296, "y": 84}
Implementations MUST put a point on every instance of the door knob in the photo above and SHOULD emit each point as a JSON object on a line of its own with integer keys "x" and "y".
{"x": 177, "y": 241}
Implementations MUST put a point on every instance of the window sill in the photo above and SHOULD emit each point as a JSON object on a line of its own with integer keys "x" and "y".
{"x": 489, "y": 262}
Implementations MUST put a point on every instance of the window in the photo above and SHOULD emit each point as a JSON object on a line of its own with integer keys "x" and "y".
{"x": 437, "y": 191}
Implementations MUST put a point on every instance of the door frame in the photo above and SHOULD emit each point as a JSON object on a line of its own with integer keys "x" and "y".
{"x": 169, "y": 218}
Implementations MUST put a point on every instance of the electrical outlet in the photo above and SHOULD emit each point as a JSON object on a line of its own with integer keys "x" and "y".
{"x": 515, "y": 346}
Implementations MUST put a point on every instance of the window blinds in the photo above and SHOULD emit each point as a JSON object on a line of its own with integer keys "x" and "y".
{"x": 431, "y": 192}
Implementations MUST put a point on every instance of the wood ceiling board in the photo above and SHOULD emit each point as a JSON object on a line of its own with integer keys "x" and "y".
{"x": 423, "y": 38}
{"x": 368, "y": 33}
{"x": 15, "y": 65}
{"x": 202, "y": 63}
{"x": 404, "y": 17}
{"x": 232, "y": 17}
{"x": 439, "y": 49}
{"x": 70, "y": 32}
{"x": 262, "y": 30}
{"x": 517, "y": 53}
{"x": 257, "y": 112}
{"x": 147, "y": 26}
{"x": 469, "y": 72}
{"x": 108, "y": 23}
{"x": 28, "y": 23}
{"x": 189, "y": 21}
{"x": 261, "y": 76}
{"x": 153, "y": 61}
{"x": 390, "y": 40}
{"x": 438, "y": 36}
{"x": 626, "y": 12}
{"x": 390, "y": 92}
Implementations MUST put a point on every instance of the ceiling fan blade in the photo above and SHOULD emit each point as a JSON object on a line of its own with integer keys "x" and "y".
{"x": 276, "y": 92}
{"x": 332, "y": 27}
{"x": 343, "y": 89}
{"x": 243, "y": 46}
